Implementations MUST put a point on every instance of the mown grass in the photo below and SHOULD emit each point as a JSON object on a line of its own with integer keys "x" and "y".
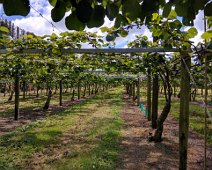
{"x": 86, "y": 135}
{"x": 196, "y": 117}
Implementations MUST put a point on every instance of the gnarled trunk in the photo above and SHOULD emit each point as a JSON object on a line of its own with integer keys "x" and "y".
{"x": 61, "y": 93}
{"x": 85, "y": 88}
{"x": 73, "y": 93}
{"x": 164, "y": 74}
{"x": 155, "y": 90}
{"x": 160, "y": 121}
{"x": 11, "y": 95}
{"x": 46, "y": 106}
{"x": 17, "y": 94}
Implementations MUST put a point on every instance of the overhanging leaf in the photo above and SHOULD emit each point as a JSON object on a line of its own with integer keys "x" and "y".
{"x": 208, "y": 9}
{"x": 131, "y": 9}
{"x": 97, "y": 18}
{"x": 167, "y": 10}
{"x": 53, "y": 2}
{"x": 14, "y": 7}
{"x": 181, "y": 9}
{"x": 73, "y": 23}
{"x": 112, "y": 11}
{"x": 84, "y": 11}
{"x": 58, "y": 12}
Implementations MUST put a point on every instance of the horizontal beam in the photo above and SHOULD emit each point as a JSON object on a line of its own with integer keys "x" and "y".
{"x": 94, "y": 50}
{"x": 119, "y": 77}
{"x": 120, "y": 50}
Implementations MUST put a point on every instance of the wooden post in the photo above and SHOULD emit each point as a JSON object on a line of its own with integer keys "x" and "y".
{"x": 78, "y": 90}
{"x": 17, "y": 94}
{"x": 155, "y": 90}
{"x": 89, "y": 88}
{"x": 24, "y": 89}
{"x": 149, "y": 87}
{"x": 206, "y": 101}
{"x": 184, "y": 110}
{"x": 205, "y": 118}
{"x": 138, "y": 91}
{"x": 61, "y": 93}
{"x": 133, "y": 90}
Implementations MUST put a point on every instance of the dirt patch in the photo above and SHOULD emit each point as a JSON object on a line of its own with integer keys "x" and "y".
{"x": 7, "y": 123}
{"x": 137, "y": 153}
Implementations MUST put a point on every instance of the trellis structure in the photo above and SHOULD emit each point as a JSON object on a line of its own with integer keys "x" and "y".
{"x": 94, "y": 51}
{"x": 185, "y": 83}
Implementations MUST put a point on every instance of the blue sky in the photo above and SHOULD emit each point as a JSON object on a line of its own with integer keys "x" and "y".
{"x": 40, "y": 26}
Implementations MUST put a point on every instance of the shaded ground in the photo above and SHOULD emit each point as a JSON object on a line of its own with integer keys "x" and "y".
{"x": 7, "y": 123}
{"x": 136, "y": 153}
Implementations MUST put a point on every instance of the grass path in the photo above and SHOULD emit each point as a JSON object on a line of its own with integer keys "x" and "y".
{"x": 84, "y": 136}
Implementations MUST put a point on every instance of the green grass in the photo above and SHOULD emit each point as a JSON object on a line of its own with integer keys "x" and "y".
{"x": 86, "y": 135}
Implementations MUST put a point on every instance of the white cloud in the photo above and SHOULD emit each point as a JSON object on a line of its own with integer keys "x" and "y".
{"x": 132, "y": 36}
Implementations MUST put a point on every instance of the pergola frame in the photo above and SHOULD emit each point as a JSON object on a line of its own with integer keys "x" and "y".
{"x": 185, "y": 85}
{"x": 94, "y": 50}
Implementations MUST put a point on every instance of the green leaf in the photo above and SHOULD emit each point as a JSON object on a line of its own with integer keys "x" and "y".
{"x": 209, "y": 22}
{"x": 123, "y": 33}
{"x": 84, "y": 11}
{"x": 120, "y": 20}
{"x": 131, "y": 9}
{"x": 14, "y": 7}
{"x": 155, "y": 16}
{"x": 73, "y": 23}
{"x": 198, "y": 5}
{"x": 176, "y": 24}
{"x": 104, "y": 29}
{"x": 110, "y": 37}
{"x": 112, "y": 11}
{"x": 97, "y": 18}
{"x": 53, "y": 2}
{"x": 207, "y": 35}
{"x": 149, "y": 7}
{"x": 167, "y": 46}
{"x": 181, "y": 9}
{"x": 58, "y": 12}
{"x": 172, "y": 15}
{"x": 4, "y": 29}
{"x": 167, "y": 10}
{"x": 208, "y": 9}
{"x": 192, "y": 32}
{"x": 53, "y": 37}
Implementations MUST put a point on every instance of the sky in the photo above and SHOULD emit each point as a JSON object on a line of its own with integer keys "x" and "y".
{"x": 39, "y": 25}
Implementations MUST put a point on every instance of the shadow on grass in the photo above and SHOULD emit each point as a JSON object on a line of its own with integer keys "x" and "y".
{"x": 32, "y": 139}
{"x": 24, "y": 144}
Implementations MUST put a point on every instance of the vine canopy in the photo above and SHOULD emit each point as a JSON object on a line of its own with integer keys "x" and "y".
{"x": 91, "y": 13}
